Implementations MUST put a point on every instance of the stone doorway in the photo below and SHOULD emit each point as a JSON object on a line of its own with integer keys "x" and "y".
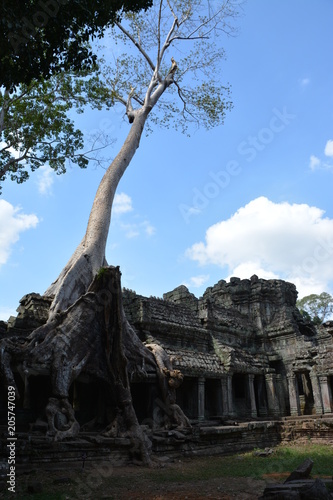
{"x": 305, "y": 393}
{"x": 330, "y": 390}
{"x": 261, "y": 395}
{"x": 213, "y": 398}
{"x": 240, "y": 394}
{"x": 146, "y": 402}
{"x": 187, "y": 397}
{"x": 34, "y": 396}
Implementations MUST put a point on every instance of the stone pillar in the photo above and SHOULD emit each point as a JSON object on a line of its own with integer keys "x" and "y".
{"x": 76, "y": 400}
{"x": 201, "y": 398}
{"x": 326, "y": 394}
{"x": 252, "y": 397}
{"x": 280, "y": 391}
{"x": 26, "y": 400}
{"x": 295, "y": 408}
{"x": 272, "y": 400}
{"x": 224, "y": 390}
{"x": 318, "y": 403}
{"x": 261, "y": 393}
{"x": 231, "y": 410}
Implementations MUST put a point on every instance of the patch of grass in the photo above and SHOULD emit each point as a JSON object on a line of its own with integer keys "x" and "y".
{"x": 185, "y": 471}
{"x": 284, "y": 459}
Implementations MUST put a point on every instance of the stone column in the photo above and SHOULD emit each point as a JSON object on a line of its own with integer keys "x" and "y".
{"x": 281, "y": 395}
{"x": 325, "y": 394}
{"x": 316, "y": 393}
{"x": 272, "y": 400}
{"x": 262, "y": 399}
{"x": 201, "y": 398}
{"x": 26, "y": 400}
{"x": 295, "y": 408}
{"x": 224, "y": 390}
{"x": 231, "y": 410}
{"x": 252, "y": 397}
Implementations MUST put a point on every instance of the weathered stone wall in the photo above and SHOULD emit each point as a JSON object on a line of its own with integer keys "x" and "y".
{"x": 250, "y": 327}
{"x": 37, "y": 447}
{"x": 32, "y": 313}
{"x": 245, "y": 336}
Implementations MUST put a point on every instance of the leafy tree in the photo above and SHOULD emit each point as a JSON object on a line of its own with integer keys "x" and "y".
{"x": 35, "y": 129}
{"x": 171, "y": 64}
{"x": 316, "y": 307}
{"x": 40, "y": 38}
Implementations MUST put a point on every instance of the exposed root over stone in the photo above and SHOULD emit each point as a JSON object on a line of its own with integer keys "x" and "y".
{"x": 92, "y": 339}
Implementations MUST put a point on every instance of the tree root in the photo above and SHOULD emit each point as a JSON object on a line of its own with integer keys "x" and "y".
{"x": 93, "y": 338}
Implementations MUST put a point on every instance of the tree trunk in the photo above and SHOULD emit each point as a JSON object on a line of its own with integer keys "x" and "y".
{"x": 87, "y": 334}
{"x": 89, "y": 340}
{"x": 89, "y": 256}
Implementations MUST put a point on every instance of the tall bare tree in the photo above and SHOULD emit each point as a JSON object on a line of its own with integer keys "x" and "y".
{"x": 170, "y": 70}
{"x": 156, "y": 83}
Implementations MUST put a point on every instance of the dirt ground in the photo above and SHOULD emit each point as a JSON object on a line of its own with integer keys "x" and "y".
{"x": 171, "y": 481}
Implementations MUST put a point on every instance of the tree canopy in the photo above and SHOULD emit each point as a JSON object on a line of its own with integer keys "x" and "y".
{"x": 34, "y": 124}
{"x": 35, "y": 128}
{"x": 316, "y": 307}
{"x": 178, "y": 38}
{"x": 39, "y": 38}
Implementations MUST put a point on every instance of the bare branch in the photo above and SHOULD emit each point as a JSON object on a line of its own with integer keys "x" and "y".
{"x": 203, "y": 24}
{"x": 168, "y": 39}
{"x": 159, "y": 36}
{"x": 137, "y": 45}
{"x": 173, "y": 13}
{"x": 185, "y": 110}
{"x": 129, "y": 108}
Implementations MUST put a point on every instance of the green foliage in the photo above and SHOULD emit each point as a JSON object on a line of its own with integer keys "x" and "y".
{"x": 40, "y": 38}
{"x": 101, "y": 273}
{"x": 34, "y": 124}
{"x": 316, "y": 307}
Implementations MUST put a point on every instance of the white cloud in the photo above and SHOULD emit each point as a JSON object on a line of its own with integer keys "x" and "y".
{"x": 149, "y": 229}
{"x": 131, "y": 231}
{"x": 304, "y": 82}
{"x": 273, "y": 240}
{"x": 136, "y": 229}
{"x": 45, "y": 179}
{"x": 314, "y": 162}
{"x": 197, "y": 281}
{"x": 122, "y": 204}
{"x": 249, "y": 268}
{"x": 6, "y": 312}
{"x": 12, "y": 223}
{"x": 329, "y": 148}
{"x": 318, "y": 164}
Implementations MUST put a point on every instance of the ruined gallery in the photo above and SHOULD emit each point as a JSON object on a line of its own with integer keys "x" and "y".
{"x": 247, "y": 356}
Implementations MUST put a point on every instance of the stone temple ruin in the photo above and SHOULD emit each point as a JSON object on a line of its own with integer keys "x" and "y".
{"x": 244, "y": 349}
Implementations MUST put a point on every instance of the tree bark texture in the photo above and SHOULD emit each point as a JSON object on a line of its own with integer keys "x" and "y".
{"x": 93, "y": 339}
{"x": 87, "y": 334}
{"x": 89, "y": 256}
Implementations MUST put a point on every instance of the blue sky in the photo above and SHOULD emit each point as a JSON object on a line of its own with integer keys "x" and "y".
{"x": 251, "y": 196}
